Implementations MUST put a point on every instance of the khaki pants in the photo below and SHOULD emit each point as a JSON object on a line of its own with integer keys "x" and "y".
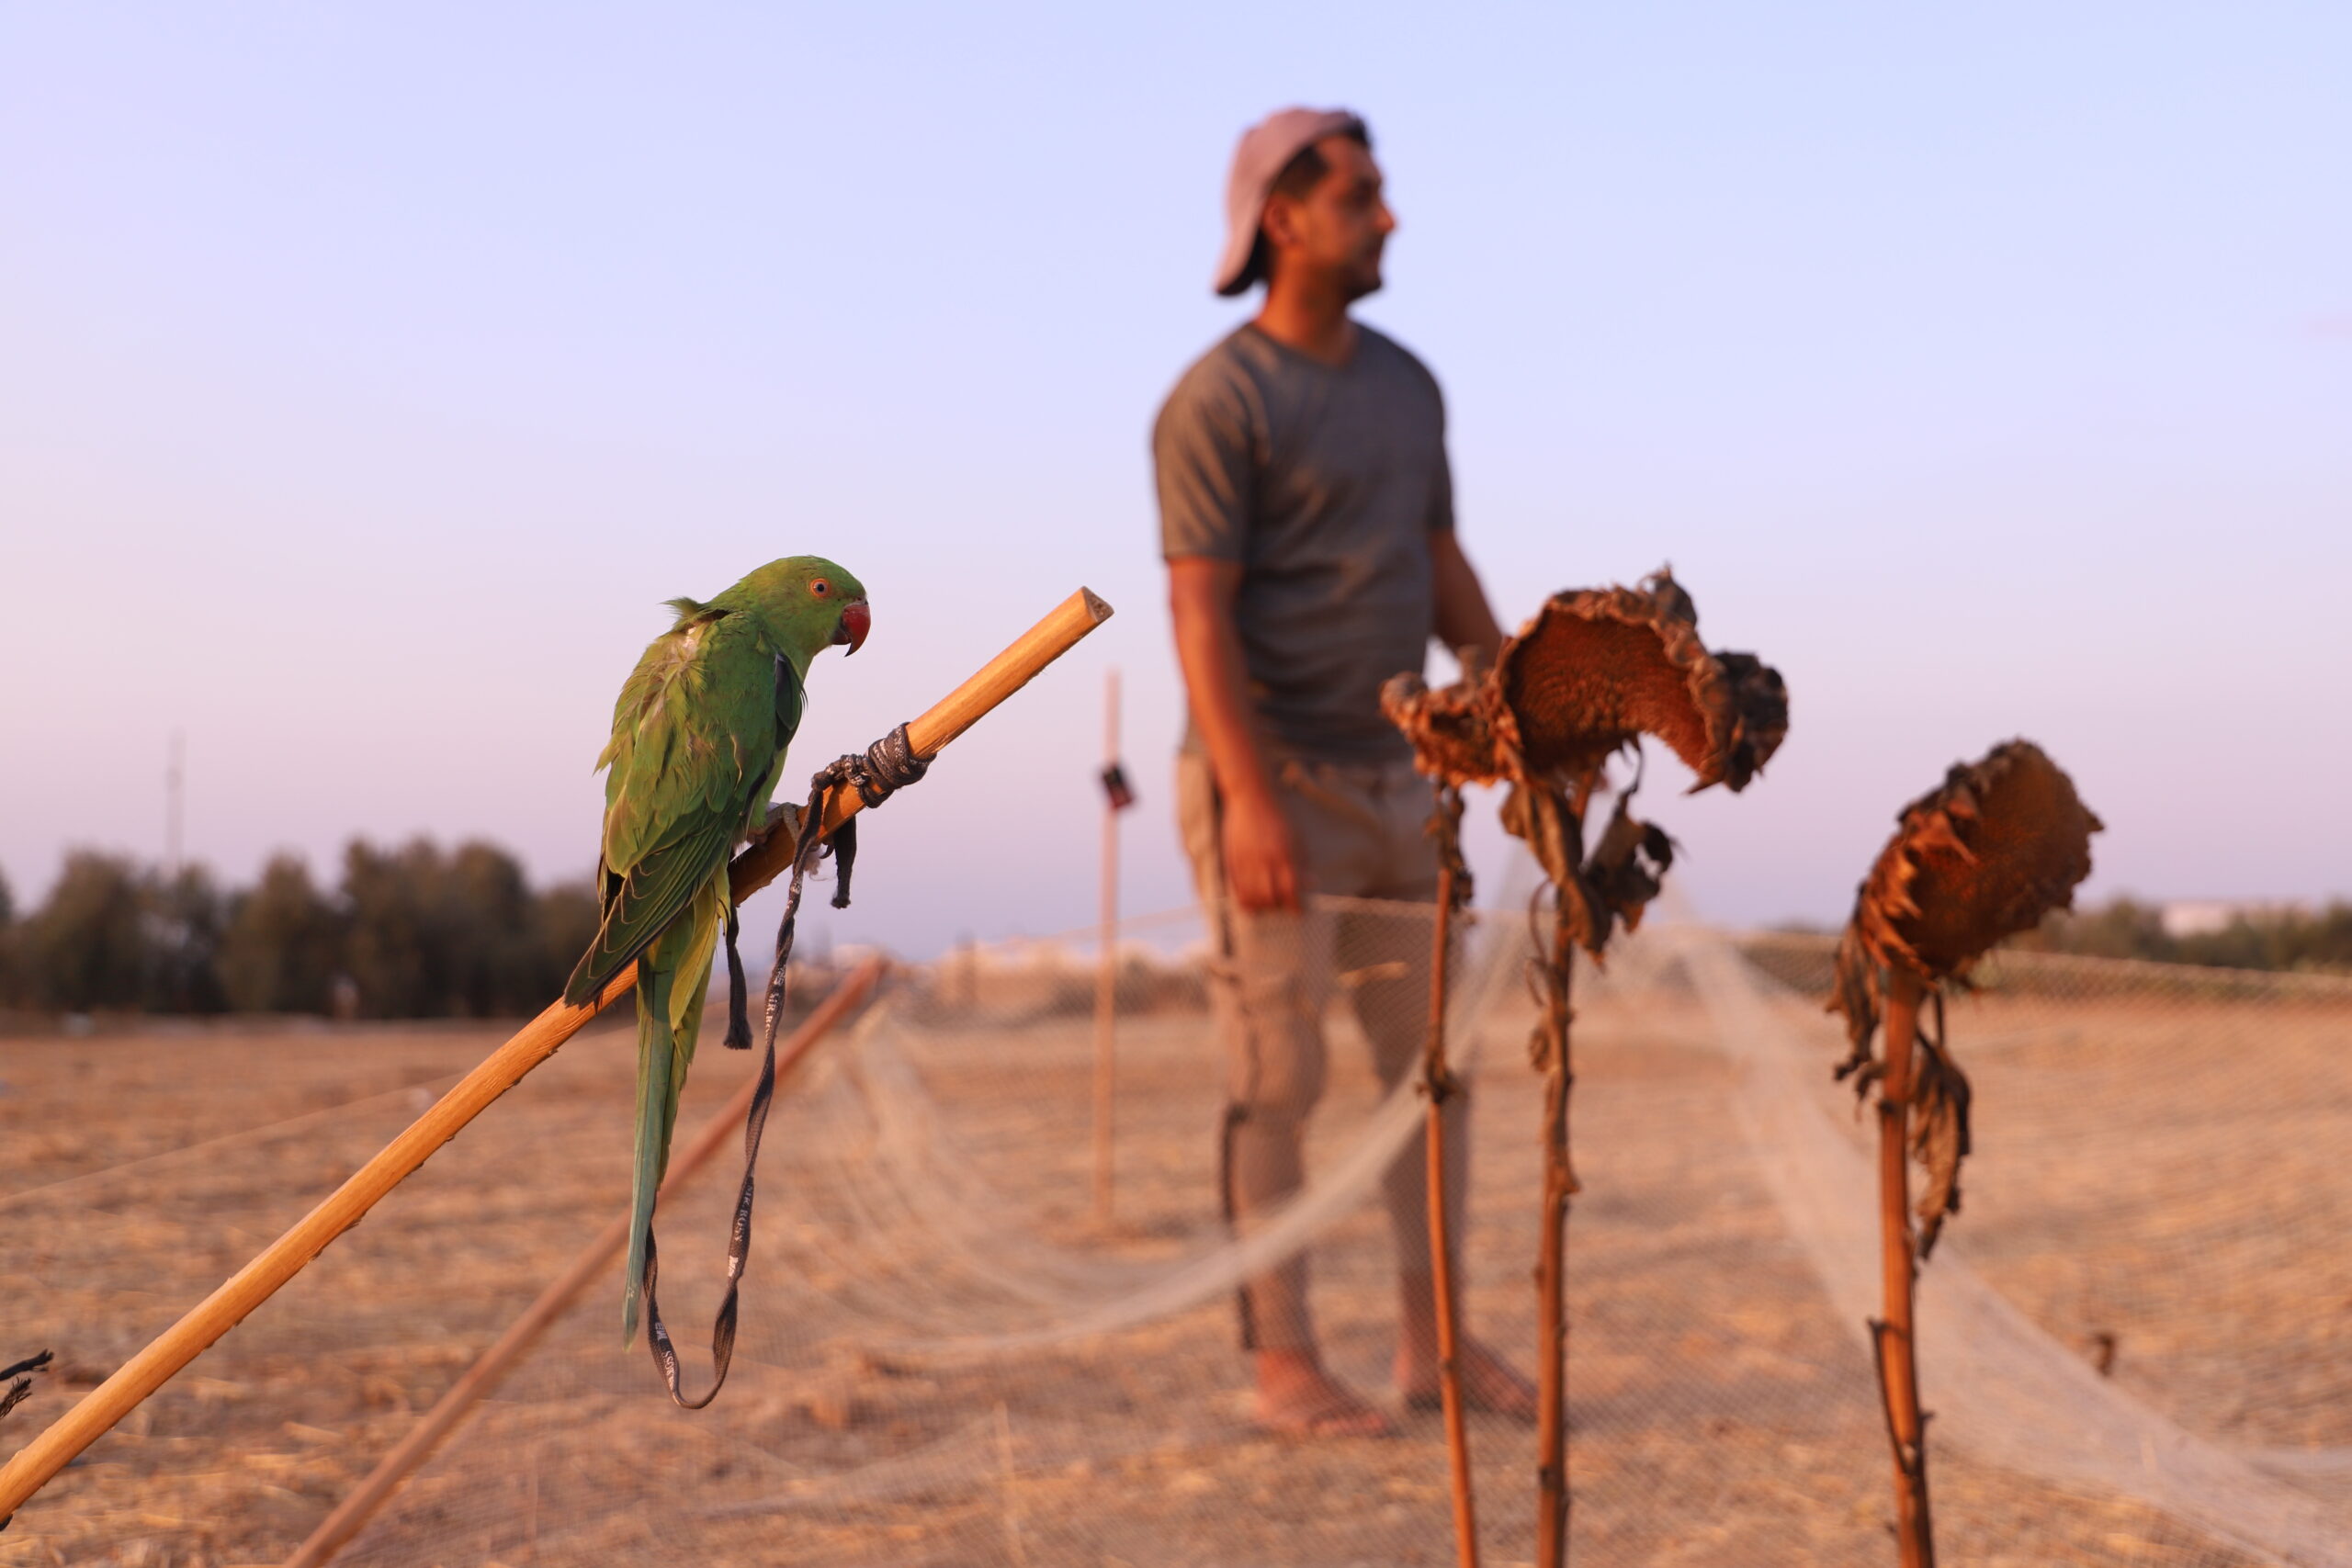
{"x": 1359, "y": 832}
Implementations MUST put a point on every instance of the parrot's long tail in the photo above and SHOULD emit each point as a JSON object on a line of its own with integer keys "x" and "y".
{"x": 656, "y": 1095}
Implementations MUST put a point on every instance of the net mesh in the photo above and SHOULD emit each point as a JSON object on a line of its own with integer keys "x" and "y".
{"x": 2134, "y": 1339}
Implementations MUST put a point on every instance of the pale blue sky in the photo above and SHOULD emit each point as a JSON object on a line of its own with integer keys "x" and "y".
{"x": 367, "y": 375}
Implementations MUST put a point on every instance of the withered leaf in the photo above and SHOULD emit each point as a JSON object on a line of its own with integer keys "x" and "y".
{"x": 1941, "y": 1095}
{"x": 1629, "y": 864}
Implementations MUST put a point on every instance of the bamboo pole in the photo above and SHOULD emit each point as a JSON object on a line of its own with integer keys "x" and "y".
{"x": 1106, "y": 972}
{"x": 34, "y": 1464}
{"x": 1437, "y": 1082}
{"x": 1898, "y": 1367}
{"x": 491, "y": 1369}
{"x": 1550, "y": 1273}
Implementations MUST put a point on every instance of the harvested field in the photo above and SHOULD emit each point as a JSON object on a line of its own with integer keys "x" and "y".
{"x": 2157, "y": 1171}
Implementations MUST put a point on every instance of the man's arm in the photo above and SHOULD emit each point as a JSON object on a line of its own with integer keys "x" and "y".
{"x": 1260, "y": 860}
{"x": 1464, "y": 619}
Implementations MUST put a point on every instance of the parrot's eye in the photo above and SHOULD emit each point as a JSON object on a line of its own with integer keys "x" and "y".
{"x": 820, "y": 588}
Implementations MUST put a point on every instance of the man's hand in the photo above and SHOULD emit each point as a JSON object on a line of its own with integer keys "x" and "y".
{"x": 1261, "y": 857}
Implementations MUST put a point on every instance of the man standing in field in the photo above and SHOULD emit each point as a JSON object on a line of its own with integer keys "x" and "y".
{"x": 1306, "y": 515}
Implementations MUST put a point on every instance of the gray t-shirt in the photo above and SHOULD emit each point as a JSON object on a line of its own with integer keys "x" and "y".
{"x": 1325, "y": 484}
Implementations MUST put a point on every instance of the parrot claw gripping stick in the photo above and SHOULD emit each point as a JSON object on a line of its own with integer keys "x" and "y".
{"x": 39, "y": 1461}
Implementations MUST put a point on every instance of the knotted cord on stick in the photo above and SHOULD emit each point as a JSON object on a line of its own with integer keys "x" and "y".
{"x": 16, "y": 1391}
{"x": 33, "y": 1465}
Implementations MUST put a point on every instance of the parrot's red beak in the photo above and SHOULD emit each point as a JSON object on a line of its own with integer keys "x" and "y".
{"x": 856, "y": 621}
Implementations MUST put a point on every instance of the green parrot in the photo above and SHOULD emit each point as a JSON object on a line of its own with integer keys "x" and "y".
{"x": 699, "y": 744}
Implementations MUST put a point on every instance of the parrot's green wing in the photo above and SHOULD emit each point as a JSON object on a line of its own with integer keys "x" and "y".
{"x": 791, "y": 697}
{"x": 698, "y": 739}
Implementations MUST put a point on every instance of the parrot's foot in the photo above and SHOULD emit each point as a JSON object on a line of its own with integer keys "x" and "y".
{"x": 779, "y": 816}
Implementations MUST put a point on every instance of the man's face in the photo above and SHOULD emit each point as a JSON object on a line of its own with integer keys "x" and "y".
{"x": 1338, "y": 228}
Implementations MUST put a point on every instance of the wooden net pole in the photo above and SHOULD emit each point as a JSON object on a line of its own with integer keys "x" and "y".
{"x": 54, "y": 1448}
{"x": 1106, "y": 972}
{"x": 1438, "y": 1085}
{"x": 1898, "y": 1366}
{"x": 491, "y": 1369}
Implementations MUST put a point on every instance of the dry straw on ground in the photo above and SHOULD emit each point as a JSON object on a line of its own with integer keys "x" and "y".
{"x": 1723, "y": 1415}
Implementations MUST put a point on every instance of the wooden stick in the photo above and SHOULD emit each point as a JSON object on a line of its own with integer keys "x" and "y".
{"x": 1106, "y": 973}
{"x": 1552, "y": 1265}
{"x": 487, "y": 1372}
{"x": 1898, "y": 1367}
{"x": 53, "y": 1449}
{"x": 1437, "y": 1082}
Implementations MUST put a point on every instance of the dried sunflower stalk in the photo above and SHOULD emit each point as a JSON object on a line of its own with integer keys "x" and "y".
{"x": 1588, "y": 677}
{"x": 1989, "y": 852}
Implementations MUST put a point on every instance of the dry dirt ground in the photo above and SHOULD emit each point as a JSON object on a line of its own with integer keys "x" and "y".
{"x": 1721, "y": 1417}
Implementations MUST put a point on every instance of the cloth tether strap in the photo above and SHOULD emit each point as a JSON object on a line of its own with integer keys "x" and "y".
{"x": 14, "y": 1393}
{"x": 887, "y": 766}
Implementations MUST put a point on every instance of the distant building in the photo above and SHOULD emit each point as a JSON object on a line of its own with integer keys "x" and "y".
{"x": 2203, "y": 917}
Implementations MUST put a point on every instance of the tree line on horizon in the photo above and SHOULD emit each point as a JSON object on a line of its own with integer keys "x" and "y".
{"x": 418, "y": 931}
{"x": 411, "y": 932}
{"x": 2296, "y": 940}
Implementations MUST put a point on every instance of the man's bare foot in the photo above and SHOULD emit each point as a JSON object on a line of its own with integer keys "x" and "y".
{"x": 1489, "y": 1382}
{"x": 1297, "y": 1398}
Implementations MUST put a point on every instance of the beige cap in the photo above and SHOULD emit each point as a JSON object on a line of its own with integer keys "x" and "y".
{"x": 1266, "y": 149}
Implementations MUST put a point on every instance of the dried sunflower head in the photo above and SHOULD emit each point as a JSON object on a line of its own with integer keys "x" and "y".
{"x": 1453, "y": 738}
{"x": 1984, "y": 856}
{"x": 1988, "y": 854}
{"x": 1595, "y": 669}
